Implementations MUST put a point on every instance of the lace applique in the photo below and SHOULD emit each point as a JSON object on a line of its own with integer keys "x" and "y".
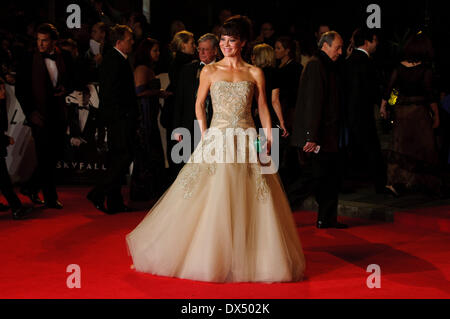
{"x": 232, "y": 109}
{"x": 188, "y": 176}
{"x": 262, "y": 189}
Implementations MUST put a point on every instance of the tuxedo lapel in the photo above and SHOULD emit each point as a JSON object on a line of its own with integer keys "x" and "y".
{"x": 61, "y": 68}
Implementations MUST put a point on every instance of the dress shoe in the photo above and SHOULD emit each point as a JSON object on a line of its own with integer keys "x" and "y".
{"x": 98, "y": 203}
{"x": 54, "y": 204}
{"x": 20, "y": 212}
{"x": 120, "y": 209}
{"x": 323, "y": 225}
{"x": 34, "y": 196}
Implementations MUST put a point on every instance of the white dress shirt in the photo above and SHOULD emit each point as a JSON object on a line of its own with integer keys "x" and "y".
{"x": 82, "y": 117}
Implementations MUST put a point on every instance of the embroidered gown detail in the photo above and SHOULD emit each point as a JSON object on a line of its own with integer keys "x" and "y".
{"x": 222, "y": 221}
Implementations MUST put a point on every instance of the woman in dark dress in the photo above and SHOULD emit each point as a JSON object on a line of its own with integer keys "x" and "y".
{"x": 413, "y": 161}
{"x": 289, "y": 72}
{"x": 264, "y": 57}
{"x": 147, "y": 180}
{"x": 183, "y": 49}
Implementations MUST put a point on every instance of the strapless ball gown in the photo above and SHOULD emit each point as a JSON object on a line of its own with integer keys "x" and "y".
{"x": 221, "y": 222}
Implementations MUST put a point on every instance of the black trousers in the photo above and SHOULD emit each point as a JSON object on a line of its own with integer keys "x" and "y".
{"x": 326, "y": 184}
{"x": 48, "y": 142}
{"x": 319, "y": 176}
{"x": 6, "y": 186}
{"x": 121, "y": 139}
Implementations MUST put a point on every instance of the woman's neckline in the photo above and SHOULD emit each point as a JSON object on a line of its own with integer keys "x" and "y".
{"x": 232, "y": 82}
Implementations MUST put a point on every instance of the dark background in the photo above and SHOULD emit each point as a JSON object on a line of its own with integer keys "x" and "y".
{"x": 199, "y": 16}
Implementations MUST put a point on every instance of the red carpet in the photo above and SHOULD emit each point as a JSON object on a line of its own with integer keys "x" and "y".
{"x": 413, "y": 253}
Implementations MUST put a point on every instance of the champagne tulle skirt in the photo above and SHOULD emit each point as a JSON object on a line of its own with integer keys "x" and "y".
{"x": 220, "y": 223}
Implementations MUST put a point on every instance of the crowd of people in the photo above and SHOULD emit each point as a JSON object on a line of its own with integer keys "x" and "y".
{"x": 326, "y": 100}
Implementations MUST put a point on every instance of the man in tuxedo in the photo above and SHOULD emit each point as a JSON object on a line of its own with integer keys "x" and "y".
{"x": 316, "y": 126}
{"x": 84, "y": 129}
{"x": 6, "y": 187}
{"x": 119, "y": 110}
{"x": 43, "y": 80}
{"x": 362, "y": 92}
{"x": 186, "y": 95}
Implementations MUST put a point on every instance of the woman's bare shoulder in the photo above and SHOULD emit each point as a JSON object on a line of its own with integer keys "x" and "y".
{"x": 256, "y": 72}
{"x": 142, "y": 74}
{"x": 209, "y": 70}
{"x": 142, "y": 68}
{"x": 211, "y": 67}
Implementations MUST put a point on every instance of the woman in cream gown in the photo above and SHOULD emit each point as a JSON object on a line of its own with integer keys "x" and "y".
{"x": 223, "y": 222}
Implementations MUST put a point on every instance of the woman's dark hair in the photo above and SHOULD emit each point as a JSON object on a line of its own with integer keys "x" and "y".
{"x": 288, "y": 43}
{"x": 237, "y": 26}
{"x": 143, "y": 56}
{"x": 418, "y": 48}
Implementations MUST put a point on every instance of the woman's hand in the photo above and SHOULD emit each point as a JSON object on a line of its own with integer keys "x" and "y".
{"x": 383, "y": 112}
{"x": 436, "y": 121}
{"x": 285, "y": 133}
{"x": 310, "y": 147}
{"x": 164, "y": 94}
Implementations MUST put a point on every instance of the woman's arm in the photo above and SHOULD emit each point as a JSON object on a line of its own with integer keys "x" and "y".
{"x": 434, "y": 108}
{"x": 263, "y": 110}
{"x": 278, "y": 111}
{"x": 383, "y": 111}
{"x": 387, "y": 93}
{"x": 142, "y": 76}
{"x": 202, "y": 93}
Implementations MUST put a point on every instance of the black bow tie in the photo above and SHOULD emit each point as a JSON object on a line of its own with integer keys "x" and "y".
{"x": 83, "y": 108}
{"x": 49, "y": 56}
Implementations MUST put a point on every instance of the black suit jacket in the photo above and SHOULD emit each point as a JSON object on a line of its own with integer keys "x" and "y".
{"x": 118, "y": 101}
{"x": 35, "y": 91}
{"x": 317, "y": 113}
{"x": 186, "y": 96}
{"x": 361, "y": 93}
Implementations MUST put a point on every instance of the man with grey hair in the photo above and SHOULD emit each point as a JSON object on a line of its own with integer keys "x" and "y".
{"x": 186, "y": 94}
{"x": 316, "y": 126}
